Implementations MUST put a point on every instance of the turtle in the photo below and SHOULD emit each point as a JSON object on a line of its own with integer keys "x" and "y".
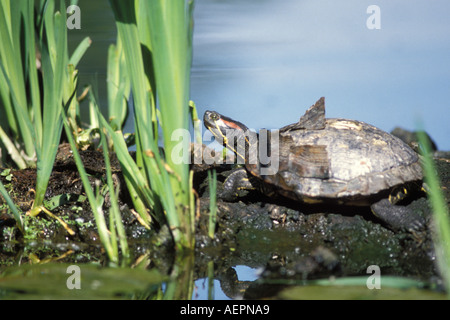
{"x": 328, "y": 161}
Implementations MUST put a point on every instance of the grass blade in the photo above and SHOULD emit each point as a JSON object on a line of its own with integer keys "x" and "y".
{"x": 93, "y": 200}
{"x": 12, "y": 206}
{"x": 170, "y": 25}
{"x": 54, "y": 64}
{"x": 157, "y": 45}
{"x": 212, "y": 181}
{"x": 80, "y": 51}
{"x": 116, "y": 219}
{"x": 441, "y": 234}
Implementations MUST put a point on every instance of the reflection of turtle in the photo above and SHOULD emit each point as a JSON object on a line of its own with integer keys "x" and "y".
{"x": 332, "y": 161}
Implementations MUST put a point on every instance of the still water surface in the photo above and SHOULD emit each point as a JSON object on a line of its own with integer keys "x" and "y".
{"x": 264, "y": 62}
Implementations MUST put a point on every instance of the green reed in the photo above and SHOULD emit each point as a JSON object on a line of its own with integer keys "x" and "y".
{"x": 15, "y": 211}
{"x": 31, "y": 123}
{"x": 157, "y": 44}
{"x": 212, "y": 180}
{"x": 115, "y": 233}
{"x": 441, "y": 220}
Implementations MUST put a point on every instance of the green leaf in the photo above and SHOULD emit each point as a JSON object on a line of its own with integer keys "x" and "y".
{"x": 80, "y": 51}
{"x": 12, "y": 206}
{"x": 61, "y": 199}
{"x": 51, "y": 281}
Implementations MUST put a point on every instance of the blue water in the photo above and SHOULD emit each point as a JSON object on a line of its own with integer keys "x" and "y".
{"x": 266, "y": 62}
{"x": 244, "y": 273}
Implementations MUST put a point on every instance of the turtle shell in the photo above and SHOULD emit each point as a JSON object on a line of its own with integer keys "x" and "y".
{"x": 340, "y": 159}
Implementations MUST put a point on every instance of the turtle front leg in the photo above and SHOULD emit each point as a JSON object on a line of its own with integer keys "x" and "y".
{"x": 398, "y": 217}
{"x": 234, "y": 183}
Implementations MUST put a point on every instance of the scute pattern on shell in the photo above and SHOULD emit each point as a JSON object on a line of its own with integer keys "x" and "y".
{"x": 363, "y": 160}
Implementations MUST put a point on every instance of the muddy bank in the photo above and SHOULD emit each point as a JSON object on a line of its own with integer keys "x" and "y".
{"x": 283, "y": 239}
{"x": 292, "y": 241}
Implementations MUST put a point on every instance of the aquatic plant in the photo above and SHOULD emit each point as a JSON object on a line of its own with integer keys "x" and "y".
{"x": 31, "y": 123}
{"x": 118, "y": 84}
{"x": 157, "y": 43}
{"x": 15, "y": 211}
{"x": 441, "y": 220}
{"x": 212, "y": 180}
{"x": 116, "y": 232}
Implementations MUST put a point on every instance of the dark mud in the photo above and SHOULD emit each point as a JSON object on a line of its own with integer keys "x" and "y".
{"x": 291, "y": 241}
{"x": 283, "y": 239}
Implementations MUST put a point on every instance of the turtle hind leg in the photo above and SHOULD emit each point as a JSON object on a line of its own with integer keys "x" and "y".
{"x": 398, "y": 217}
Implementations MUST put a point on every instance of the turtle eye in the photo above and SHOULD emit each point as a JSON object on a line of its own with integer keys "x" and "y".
{"x": 214, "y": 116}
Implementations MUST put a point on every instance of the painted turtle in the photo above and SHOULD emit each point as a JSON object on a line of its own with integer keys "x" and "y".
{"x": 323, "y": 160}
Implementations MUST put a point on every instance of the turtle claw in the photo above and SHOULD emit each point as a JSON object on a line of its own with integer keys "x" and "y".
{"x": 398, "y": 217}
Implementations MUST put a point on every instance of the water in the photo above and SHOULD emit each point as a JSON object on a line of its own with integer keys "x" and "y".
{"x": 244, "y": 273}
{"x": 97, "y": 22}
{"x": 265, "y": 62}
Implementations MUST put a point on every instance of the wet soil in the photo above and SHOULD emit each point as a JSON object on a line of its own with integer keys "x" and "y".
{"x": 282, "y": 238}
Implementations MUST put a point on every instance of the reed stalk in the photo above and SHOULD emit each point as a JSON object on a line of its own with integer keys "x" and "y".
{"x": 30, "y": 129}
{"x": 441, "y": 219}
{"x": 157, "y": 43}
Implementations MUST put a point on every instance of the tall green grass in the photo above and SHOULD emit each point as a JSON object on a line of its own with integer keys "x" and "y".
{"x": 212, "y": 180}
{"x": 118, "y": 84}
{"x": 152, "y": 58}
{"x": 15, "y": 211}
{"x": 441, "y": 220}
{"x": 31, "y": 124}
{"x": 115, "y": 233}
{"x": 17, "y": 65}
{"x": 157, "y": 43}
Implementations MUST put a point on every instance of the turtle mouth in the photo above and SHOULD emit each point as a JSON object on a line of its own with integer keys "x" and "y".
{"x": 217, "y": 122}
{"x": 227, "y": 131}
{"x": 231, "y": 134}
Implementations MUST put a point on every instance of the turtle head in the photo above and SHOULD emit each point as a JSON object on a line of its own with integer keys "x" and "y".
{"x": 229, "y": 132}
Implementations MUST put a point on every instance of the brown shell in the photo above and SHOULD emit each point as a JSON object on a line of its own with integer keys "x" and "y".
{"x": 346, "y": 159}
